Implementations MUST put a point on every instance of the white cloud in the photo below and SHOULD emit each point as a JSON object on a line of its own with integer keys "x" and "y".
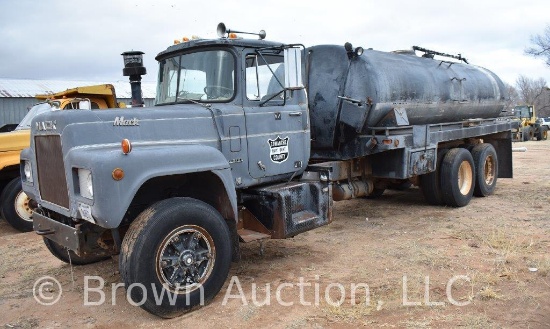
{"x": 84, "y": 39}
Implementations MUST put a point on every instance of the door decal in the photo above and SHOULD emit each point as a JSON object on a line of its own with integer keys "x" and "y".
{"x": 278, "y": 149}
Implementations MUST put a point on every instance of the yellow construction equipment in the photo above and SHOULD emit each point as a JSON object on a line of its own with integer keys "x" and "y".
{"x": 529, "y": 126}
{"x": 15, "y": 206}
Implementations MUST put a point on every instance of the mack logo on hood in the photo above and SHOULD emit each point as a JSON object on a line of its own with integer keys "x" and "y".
{"x": 45, "y": 125}
{"x": 120, "y": 121}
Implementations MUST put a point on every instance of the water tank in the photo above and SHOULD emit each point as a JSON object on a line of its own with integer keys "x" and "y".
{"x": 426, "y": 90}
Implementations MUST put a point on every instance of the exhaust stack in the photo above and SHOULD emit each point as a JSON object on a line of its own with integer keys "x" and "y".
{"x": 133, "y": 68}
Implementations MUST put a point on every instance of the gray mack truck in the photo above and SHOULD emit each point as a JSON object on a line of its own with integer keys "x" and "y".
{"x": 252, "y": 140}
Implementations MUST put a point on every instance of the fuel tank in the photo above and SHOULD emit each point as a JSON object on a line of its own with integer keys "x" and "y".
{"x": 349, "y": 93}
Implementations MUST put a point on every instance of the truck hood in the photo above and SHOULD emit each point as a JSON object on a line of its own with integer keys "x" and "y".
{"x": 14, "y": 140}
{"x": 183, "y": 123}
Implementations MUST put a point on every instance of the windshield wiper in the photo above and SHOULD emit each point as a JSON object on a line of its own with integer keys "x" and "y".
{"x": 194, "y": 102}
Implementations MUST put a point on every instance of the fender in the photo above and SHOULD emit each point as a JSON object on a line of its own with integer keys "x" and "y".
{"x": 8, "y": 159}
{"x": 147, "y": 160}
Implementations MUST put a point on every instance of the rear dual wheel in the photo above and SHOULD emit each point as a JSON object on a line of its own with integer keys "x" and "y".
{"x": 460, "y": 174}
{"x": 457, "y": 177}
{"x": 486, "y": 168}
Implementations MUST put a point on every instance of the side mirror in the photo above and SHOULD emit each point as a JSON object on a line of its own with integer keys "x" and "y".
{"x": 84, "y": 105}
{"x": 293, "y": 68}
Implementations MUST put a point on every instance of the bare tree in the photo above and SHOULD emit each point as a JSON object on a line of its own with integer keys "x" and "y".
{"x": 541, "y": 45}
{"x": 534, "y": 92}
{"x": 512, "y": 99}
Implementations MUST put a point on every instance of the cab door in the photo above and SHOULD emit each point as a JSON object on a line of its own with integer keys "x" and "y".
{"x": 277, "y": 128}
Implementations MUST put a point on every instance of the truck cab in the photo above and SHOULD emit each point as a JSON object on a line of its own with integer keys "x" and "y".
{"x": 262, "y": 123}
{"x": 229, "y": 131}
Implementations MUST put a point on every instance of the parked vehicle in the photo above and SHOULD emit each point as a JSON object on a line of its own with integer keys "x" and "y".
{"x": 530, "y": 127}
{"x": 15, "y": 206}
{"x": 544, "y": 122}
{"x": 252, "y": 140}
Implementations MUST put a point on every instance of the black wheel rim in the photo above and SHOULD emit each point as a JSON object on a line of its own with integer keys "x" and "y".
{"x": 185, "y": 259}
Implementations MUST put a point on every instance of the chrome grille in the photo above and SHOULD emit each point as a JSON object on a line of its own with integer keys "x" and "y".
{"x": 51, "y": 172}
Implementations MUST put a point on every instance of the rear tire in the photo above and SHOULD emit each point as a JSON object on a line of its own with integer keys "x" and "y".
{"x": 486, "y": 168}
{"x": 16, "y": 206}
{"x": 69, "y": 257}
{"x": 457, "y": 177}
{"x": 177, "y": 251}
{"x": 430, "y": 184}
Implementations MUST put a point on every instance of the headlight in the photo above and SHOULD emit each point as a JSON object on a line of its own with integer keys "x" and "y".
{"x": 85, "y": 183}
{"x": 27, "y": 170}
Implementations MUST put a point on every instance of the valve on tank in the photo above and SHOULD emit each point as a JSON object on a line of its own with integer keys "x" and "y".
{"x": 353, "y": 53}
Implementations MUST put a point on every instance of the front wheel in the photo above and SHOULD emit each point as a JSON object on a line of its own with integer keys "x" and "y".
{"x": 69, "y": 256}
{"x": 16, "y": 206}
{"x": 175, "y": 256}
{"x": 528, "y": 133}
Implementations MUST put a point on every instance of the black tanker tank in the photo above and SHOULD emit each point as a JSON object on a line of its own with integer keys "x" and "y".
{"x": 349, "y": 93}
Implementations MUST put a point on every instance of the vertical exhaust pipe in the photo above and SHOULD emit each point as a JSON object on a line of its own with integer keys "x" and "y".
{"x": 133, "y": 68}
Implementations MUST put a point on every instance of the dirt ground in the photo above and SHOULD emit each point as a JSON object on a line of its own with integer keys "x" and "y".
{"x": 486, "y": 265}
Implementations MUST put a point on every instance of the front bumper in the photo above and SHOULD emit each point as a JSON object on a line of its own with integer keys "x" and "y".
{"x": 64, "y": 235}
{"x": 84, "y": 238}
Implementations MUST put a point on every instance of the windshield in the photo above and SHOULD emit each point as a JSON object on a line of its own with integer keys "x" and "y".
{"x": 523, "y": 111}
{"x": 199, "y": 76}
{"x": 34, "y": 111}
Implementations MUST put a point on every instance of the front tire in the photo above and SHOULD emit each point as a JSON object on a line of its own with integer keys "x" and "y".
{"x": 69, "y": 256}
{"x": 528, "y": 133}
{"x": 16, "y": 206}
{"x": 175, "y": 256}
{"x": 457, "y": 177}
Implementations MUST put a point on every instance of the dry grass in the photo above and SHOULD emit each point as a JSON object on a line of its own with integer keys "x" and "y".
{"x": 476, "y": 321}
{"x": 488, "y": 293}
{"x": 348, "y": 313}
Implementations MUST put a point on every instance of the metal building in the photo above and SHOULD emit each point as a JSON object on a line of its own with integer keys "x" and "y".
{"x": 17, "y": 95}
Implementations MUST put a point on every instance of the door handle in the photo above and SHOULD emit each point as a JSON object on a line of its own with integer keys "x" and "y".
{"x": 295, "y": 114}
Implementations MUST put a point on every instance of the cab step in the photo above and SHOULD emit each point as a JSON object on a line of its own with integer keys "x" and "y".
{"x": 246, "y": 235}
